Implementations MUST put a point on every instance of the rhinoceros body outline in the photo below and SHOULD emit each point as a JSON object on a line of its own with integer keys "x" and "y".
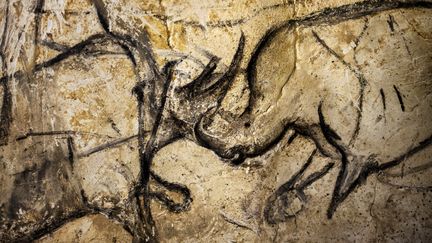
{"x": 152, "y": 94}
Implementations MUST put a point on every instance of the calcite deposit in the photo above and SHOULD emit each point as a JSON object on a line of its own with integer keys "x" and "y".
{"x": 215, "y": 121}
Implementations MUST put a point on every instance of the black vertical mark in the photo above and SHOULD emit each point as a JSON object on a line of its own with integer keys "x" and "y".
{"x": 71, "y": 150}
{"x": 401, "y": 102}
{"x": 391, "y": 22}
{"x": 383, "y": 99}
{"x": 38, "y": 12}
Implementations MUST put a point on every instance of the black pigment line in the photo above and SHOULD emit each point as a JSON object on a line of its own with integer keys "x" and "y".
{"x": 363, "y": 31}
{"x": 375, "y": 168}
{"x": 358, "y": 10}
{"x": 194, "y": 86}
{"x": 401, "y": 102}
{"x": 391, "y": 22}
{"x": 171, "y": 205}
{"x": 328, "y": 132}
{"x": 74, "y": 50}
{"x": 291, "y": 139}
{"x": 147, "y": 151}
{"x": 111, "y": 213}
{"x": 176, "y": 187}
{"x": 411, "y": 170}
{"x": 38, "y": 16}
{"x": 71, "y": 150}
{"x": 337, "y": 198}
{"x": 115, "y": 128}
{"x": 405, "y": 187}
{"x": 239, "y": 153}
{"x": 79, "y": 48}
{"x": 334, "y": 15}
{"x": 55, "y": 46}
{"x": 314, "y": 177}
{"x": 383, "y": 98}
{"x": 227, "y": 78}
{"x": 146, "y": 156}
{"x": 290, "y": 183}
{"x": 49, "y": 133}
{"x": 370, "y": 168}
{"x": 237, "y": 222}
{"x": 170, "y": 185}
{"x": 102, "y": 14}
{"x": 422, "y": 145}
{"x": 143, "y": 47}
{"x": 306, "y": 132}
{"x": 52, "y": 133}
{"x": 108, "y": 145}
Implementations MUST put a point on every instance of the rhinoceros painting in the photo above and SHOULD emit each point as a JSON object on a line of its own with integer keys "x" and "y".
{"x": 105, "y": 104}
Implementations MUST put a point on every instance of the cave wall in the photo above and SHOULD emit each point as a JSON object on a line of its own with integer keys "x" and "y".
{"x": 217, "y": 121}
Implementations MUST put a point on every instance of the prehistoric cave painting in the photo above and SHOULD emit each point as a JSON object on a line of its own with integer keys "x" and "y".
{"x": 167, "y": 111}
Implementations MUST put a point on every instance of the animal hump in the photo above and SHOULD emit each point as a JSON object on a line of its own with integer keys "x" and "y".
{"x": 271, "y": 67}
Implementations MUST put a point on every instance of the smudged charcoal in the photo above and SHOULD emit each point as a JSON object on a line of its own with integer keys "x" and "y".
{"x": 47, "y": 182}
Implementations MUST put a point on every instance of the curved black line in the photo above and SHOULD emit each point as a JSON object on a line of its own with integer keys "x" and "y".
{"x": 399, "y": 96}
{"x": 325, "y": 16}
{"x": 170, "y": 204}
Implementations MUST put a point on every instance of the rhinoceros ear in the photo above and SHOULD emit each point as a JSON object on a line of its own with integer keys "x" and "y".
{"x": 271, "y": 66}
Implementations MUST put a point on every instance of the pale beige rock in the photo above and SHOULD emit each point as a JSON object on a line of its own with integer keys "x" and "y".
{"x": 325, "y": 104}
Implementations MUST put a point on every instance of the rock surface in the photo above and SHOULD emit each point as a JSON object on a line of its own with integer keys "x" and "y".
{"x": 215, "y": 121}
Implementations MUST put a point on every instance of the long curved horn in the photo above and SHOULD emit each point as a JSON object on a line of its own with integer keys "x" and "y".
{"x": 261, "y": 125}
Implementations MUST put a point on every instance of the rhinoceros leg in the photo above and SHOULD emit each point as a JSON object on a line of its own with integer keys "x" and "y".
{"x": 289, "y": 198}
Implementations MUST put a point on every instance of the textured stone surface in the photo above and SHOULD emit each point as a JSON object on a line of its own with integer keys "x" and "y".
{"x": 215, "y": 121}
